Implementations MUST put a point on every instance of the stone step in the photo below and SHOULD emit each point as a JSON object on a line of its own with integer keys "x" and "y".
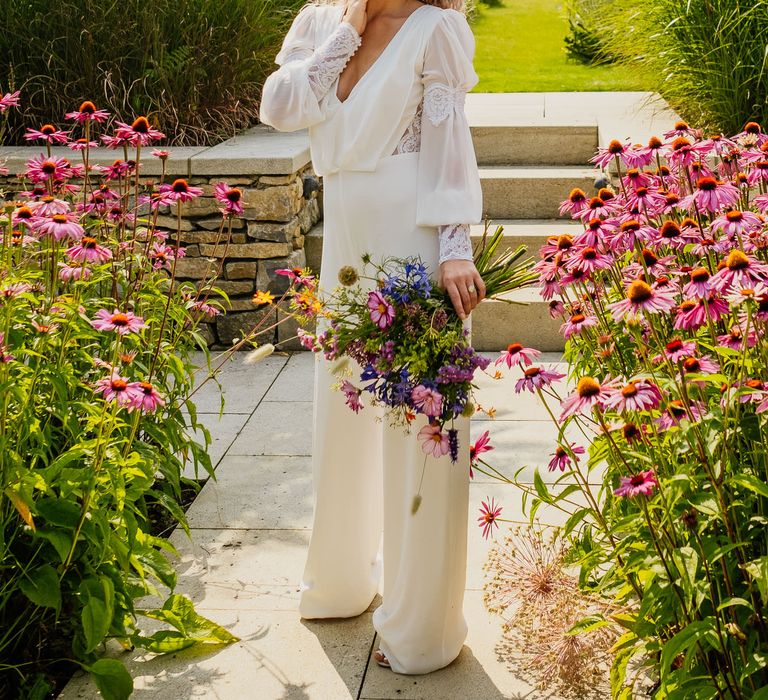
{"x": 499, "y": 141}
{"x": 520, "y": 192}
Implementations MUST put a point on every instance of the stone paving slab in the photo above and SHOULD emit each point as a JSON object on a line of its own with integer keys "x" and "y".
{"x": 277, "y": 428}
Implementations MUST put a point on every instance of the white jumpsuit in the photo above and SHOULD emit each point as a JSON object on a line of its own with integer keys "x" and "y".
{"x": 400, "y": 179}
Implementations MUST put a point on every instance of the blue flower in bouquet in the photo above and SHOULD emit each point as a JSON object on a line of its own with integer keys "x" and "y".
{"x": 415, "y": 283}
{"x": 369, "y": 373}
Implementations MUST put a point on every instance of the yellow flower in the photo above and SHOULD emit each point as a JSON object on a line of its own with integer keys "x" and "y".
{"x": 261, "y": 298}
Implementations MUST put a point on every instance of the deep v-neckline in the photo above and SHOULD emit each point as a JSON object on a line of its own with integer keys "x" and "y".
{"x": 378, "y": 58}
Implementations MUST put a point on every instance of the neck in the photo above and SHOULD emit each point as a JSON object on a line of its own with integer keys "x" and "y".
{"x": 379, "y": 7}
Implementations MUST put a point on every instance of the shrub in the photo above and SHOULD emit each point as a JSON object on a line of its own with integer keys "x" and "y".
{"x": 196, "y": 66}
{"x": 707, "y": 57}
{"x": 664, "y": 297}
{"x": 96, "y": 419}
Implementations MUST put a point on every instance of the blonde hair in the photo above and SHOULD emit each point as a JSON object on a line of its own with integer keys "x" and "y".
{"x": 458, "y": 5}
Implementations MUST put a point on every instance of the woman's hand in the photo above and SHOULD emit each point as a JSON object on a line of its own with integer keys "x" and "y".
{"x": 464, "y": 285}
{"x": 356, "y": 14}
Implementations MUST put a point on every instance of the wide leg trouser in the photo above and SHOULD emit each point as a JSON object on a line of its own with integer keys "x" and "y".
{"x": 367, "y": 473}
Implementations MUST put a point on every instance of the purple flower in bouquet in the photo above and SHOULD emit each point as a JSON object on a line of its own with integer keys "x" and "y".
{"x": 561, "y": 458}
{"x": 381, "y": 311}
{"x": 352, "y": 395}
{"x": 642, "y": 484}
{"x": 428, "y": 401}
{"x": 434, "y": 441}
{"x": 482, "y": 444}
{"x": 536, "y": 378}
{"x": 489, "y": 513}
{"x": 453, "y": 444}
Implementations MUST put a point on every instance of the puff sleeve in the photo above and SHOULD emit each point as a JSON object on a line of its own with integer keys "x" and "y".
{"x": 293, "y": 95}
{"x": 449, "y": 194}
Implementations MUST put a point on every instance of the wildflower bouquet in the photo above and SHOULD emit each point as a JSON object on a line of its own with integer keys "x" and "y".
{"x": 96, "y": 420}
{"x": 401, "y": 330}
{"x": 664, "y": 299}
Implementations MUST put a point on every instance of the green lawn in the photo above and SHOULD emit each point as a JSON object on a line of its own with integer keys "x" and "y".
{"x": 520, "y": 49}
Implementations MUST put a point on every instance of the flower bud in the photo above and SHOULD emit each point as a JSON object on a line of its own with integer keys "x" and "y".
{"x": 348, "y": 276}
{"x": 260, "y": 353}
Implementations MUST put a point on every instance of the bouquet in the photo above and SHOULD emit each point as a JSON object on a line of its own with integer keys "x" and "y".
{"x": 413, "y": 351}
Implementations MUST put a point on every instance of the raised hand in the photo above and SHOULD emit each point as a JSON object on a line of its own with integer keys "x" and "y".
{"x": 356, "y": 14}
{"x": 464, "y": 285}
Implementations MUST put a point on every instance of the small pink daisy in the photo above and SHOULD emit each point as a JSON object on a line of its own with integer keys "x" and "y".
{"x": 428, "y": 401}
{"x": 482, "y": 444}
{"x": 381, "y": 311}
{"x": 516, "y": 354}
{"x": 352, "y": 395}
{"x": 642, "y": 484}
{"x": 489, "y": 513}
{"x": 434, "y": 441}
{"x": 121, "y": 322}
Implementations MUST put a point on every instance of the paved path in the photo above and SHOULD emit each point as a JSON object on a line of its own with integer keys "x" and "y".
{"x": 250, "y": 529}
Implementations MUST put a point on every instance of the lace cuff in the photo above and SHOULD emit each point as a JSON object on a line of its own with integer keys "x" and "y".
{"x": 330, "y": 58}
{"x": 440, "y": 100}
{"x": 455, "y": 242}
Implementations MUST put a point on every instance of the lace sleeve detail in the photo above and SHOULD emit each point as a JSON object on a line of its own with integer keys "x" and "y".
{"x": 455, "y": 242}
{"x": 330, "y": 58}
{"x": 440, "y": 101}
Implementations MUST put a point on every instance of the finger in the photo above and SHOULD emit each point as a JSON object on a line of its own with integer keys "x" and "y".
{"x": 472, "y": 291}
{"x": 455, "y": 296}
{"x": 466, "y": 302}
{"x": 480, "y": 287}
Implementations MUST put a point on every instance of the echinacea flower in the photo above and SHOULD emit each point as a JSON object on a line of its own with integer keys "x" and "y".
{"x": 700, "y": 286}
{"x": 736, "y": 222}
{"x": 118, "y": 389}
{"x": 231, "y": 199}
{"x": 81, "y": 144}
{"x": 642, "y": 484}
{"x": 614, "y": 150}
{"x": 41, "y": 169}
{"x": 47, "y": 133}
{"x": 575, "y": 203}
{"x": 635, "y": 395}
{"x": 60, "y": 226}
{"x": 576, "y": 324}
{"x": 118, "y": 321}
{"x": 562, "y": 458}
{"x": 676, "y": 349}
{"x": 535, "y": 378}
{"x": 711, "y": 195}
{"x": 381, "y": 311}
{"x": 48, "y": 206}
{"x": 691, "y": 315}
{"x": 700, "y": 365}
{"x": 739, "y": 270}
{"x": 68, "y": 273}
{"x": 434, "y": 441}
{"x": 88, "y": 250}
{"x": 516, "y": 354}
{"x": 10, "y": 99}
{"x": 178, "y": 191}
{"x": 489, "y": 513}
{"x": 87, "y": 113}
{"x": 138, "y": 133}
{"x": 428, "y": 401}
{"x": 589, "y": 393}
{"x": 144, "y": 397}
{"x": 642, "y": 299}
{"x": 482, "y": 444}
{"x": 676, "y": 411}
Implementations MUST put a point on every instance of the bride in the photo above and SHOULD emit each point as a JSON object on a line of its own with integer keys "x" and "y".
{"x": 381, "y": 85}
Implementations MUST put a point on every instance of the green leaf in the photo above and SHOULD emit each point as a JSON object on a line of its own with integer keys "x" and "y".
{"x": 758, "y": 570}
{"x": 41, "y": 586}
{"x": 541, "y": 487}
{"x": 112, "y": 679}
{"x": 165, "y": 642}
{"x": 57, "y": 511}
{"x": 98, "y": 610}
{"x": 687, "y": 562}
{"x": 685, "y": 641}
{"x": 588, "y": 624}
{"x": 751, "y": 482}
{"x": 179, "y": 612}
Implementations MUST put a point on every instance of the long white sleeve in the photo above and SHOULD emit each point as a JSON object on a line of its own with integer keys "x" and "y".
{"x": 293, "y": 95}
{"x": 449, "y": 184}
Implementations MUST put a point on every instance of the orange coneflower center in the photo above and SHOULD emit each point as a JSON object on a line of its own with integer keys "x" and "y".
{"x": 180, "y": 186}
{"x": 707, "y": 183}
{"x": 637, "y": 480}
{"x": 630, "y": 226}
{"x": 577, "y": 319}
{"x": 754, "y": 384}
{"x": 700, "y": 274}
{"x": 629, "y": 390}
{"x": 680, "y": 142}
{"x": 676, "y": 408}
{"x": 663, "y": 171}
{"x": 140, "y": 125}
{"x": 691, "y": 364}
{"x": 669, "y": 229}
{"x": 615, "y": 147}
{"x": 595, "y": 224}
{"x": 671, "y": 198}
{"x": 655, "y": 142}
{"x": 605, "y": 194}
{"x": 87, "y": 107}
{"x": 119, "y": 385}
{"x": 60, "y": 218}
{"x": 681, "y": 126}
{"x": 48, "y": 167}
{"x": 577, "y": 195}
{"x": 752, "y": 128}
{"x": 560, "y": 452}
{"x": 24, "y": 213}
{"x": 514, "y": 348}
{"x": 234, "y": 195}
{"x": 734, "y": 215}
{"x": 532, "y": 372}
{"x": 674, "y": 345}
{"x": 630, "y": 431}
{"x": 589, "y": 254}
{"x": 47, "y": 129}
{"x": 648, "y": 257}
{"x": 564, "y": 242}
{"x": 587, "y": 386}
{"x": 88, "y": 242}
{"x": 736, "y": 260}
{"x": 639, "y": 292}
{"x": 596, "y": 203}
{"x": 119, "y": 320}
{"x": 147, "y": 388}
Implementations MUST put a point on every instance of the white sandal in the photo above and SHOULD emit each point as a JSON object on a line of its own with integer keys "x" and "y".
{"x": 381, "y": 659}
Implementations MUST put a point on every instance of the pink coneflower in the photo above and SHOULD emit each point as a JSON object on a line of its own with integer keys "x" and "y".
{"x": 536, "y": 378}
{"x": 735, "y": 339}
{"x": 649, "y": 200}
{"x": 682, "y": 153}
{"x": 576, "y": 324}
{"x": 676, "y": 350}
{"x": 162, "y": 256}
{"x": 700, "y": 365}
{"x": 48, "y": 206}
{"x": 642, "y": 299}
{"x": 681, "y": 128}
{"x": 482, "y": 444}
{"x": 60, "y": 226}
{"x": 88, "y": 113}
{"x": 634, "y": 178}
{"x": 691, "y": 315}
{"x": 676, "y": 412}
{"x": 700, "y": 286}
{"x": 648, "y": 262}
{"x": 88, "y": 250}
{"x": 144, "y": 397}
{"x": 82, "y": 144}
{"x": 160, "y": 153}
{"x": 516, "y": 354}
{"x": 434, "y": 442}
{"x": 230, "y": 197}
{"x": 178, "y": 191}
{"x": 561, "y": 458}
{"x": 642, "y": 484}
{"x": 736, "y": 222}
{"x": 711, "y": 195}
{"x": 381, "y": 311}
{"x": 40, "y": 169}
{"x": 670, "y": 233}
{"x": 704, "y": 247}
{"x": 137, "y": 133}
{"x": 204, "y": 308}
{"x": 118, "y": 389}
{"x": 751, "y": 391}
{"x": 594, "y": 232}
{"x": 556, "y": 308}
{"x": 10, "y": 99}
{"x": 588, "y": 259}
{"x": 428, "y": 401}
{"x": 47, "y": 133}
{"x": 739, "y": 270}
{"x": 297, "y": 276}
{"x": 489, "y": 513}
{"x": 575, "y": 203}
{"x": 635, "y": 395}
{"x": 121, "y": 322}
{"x": 633, "y": 433}
{"x": 5, "y": 356}
{"x": 68, "y": 273}
{"x": 596, "y": 207}
{"x": 9, "y": 291}
{"x": 589, "y": 393}
{"x": 615, "y": 149}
